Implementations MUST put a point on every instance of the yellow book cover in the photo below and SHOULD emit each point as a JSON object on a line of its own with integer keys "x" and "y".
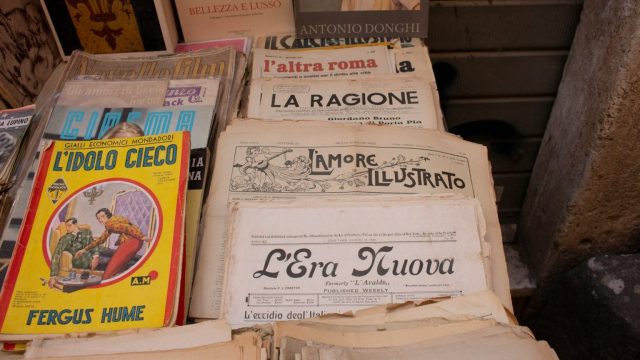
{"x": 101, "y": 246}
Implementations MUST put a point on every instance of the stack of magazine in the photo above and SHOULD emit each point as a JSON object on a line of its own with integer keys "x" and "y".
{"x": 107, "y": 117}
{"x": 14, "y": 126}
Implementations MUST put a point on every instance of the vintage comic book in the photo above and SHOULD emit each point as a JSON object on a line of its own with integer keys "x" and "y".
{"x": 112, "y": 26}
{"x": 348, "y": 62}
{"x": 361, "y": 18}
{"x": 306, "y": 258}
{"x": 88, "y": 110}
{"x": 220, "y": 19}
{"x": 292, "y": 42}
{"x": 198, "y": 65}
{"x": 261, "y": 161}
{"x": 13, "y": 127}
{"x": 101, "y": 246}
{"x": 380, "y": 100}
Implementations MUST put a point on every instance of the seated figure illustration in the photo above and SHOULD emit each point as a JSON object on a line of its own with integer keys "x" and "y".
{"x": 65, "y": 258}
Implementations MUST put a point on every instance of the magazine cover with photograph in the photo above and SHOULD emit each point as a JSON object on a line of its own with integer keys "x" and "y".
{"x": 357, "y": 18}
{"x": 101, "y": 246}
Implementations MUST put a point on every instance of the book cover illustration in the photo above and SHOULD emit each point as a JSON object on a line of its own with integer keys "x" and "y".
{"x": 203, "y": 20}
{"x": 13, "y": 126}
{"x": 358, "y": 18}
{"x": 101, "y": 246}
{"x": 108, "y": 26}
{"x": 94, "y": 109}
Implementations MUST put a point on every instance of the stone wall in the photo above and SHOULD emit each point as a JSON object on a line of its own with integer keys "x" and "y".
{"x": 584, "y": 194}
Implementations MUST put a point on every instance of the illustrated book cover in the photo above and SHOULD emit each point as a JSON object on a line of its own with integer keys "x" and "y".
{"x": 102, "y": 242}
{"x": 89, "y": 110}
{"x": 202, "y": 20}
{"x": 13, "y": 127}
{"x": 361, "y": 18}
{"x": 112, "y": 26}
{"x": 203, "y": 64}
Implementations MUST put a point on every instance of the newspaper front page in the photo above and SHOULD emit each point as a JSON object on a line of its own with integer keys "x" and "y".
{"x": 381, "y": 100}
{"x": 262, "y": 161}
{"x": 292, "y": 42}
{"x": 414, "y": 61}
{"x": 348, "y": 62}
{"x": 310, "y": 258}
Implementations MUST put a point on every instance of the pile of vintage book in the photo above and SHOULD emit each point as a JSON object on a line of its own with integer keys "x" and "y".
{"x": 314, "y": 205}
{"x": 13, "y": 132}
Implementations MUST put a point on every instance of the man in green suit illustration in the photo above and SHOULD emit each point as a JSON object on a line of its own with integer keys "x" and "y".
{"x": 73, "y": 241}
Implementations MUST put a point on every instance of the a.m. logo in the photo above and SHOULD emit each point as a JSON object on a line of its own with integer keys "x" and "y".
{"x": 140, "y": 280}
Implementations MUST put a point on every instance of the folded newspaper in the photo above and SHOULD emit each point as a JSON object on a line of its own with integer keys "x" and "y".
{"x": 292, "y": 42}
{"x": 261, "y": 161}
{"x": 306, "y": 258}
{"x": 348, "y": 62}
{"x": 400, "y": 100}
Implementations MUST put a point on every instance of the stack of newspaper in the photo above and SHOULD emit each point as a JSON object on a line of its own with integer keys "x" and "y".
{"x": 468, "y": 327}
{"x": 326, "y": 135}
{"x": 332, "y": 187}
{"x": 301, "y": 162}
{"x": 95, "y": 98}
{"x": 358, "y": 85}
